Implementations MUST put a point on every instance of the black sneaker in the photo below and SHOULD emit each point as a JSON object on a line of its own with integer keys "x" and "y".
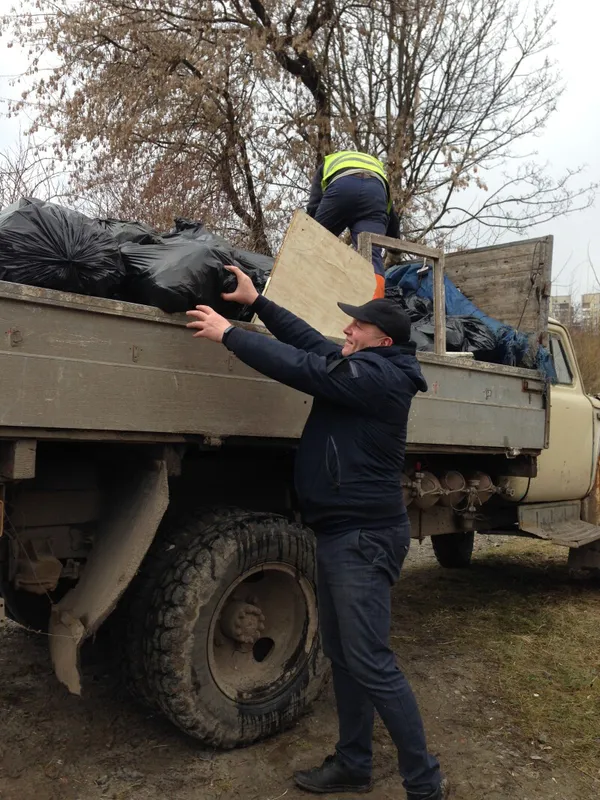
{"x": 443, "y": 793}
{"x": 332, "y": 776}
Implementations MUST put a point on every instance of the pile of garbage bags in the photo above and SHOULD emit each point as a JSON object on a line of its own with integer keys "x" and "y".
{"x": 468, "y": 329}
{"x": 44, "y": 244}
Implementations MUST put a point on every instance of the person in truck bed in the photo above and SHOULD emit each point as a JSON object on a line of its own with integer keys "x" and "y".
{"x": 351, "y": 190}
{"x": 347, "y": 476}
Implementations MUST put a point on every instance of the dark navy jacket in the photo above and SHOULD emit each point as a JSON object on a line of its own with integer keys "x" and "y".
{"x": 351, "y": 454}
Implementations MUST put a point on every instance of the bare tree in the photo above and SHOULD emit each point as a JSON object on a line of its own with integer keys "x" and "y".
{"x": 153, "y": 194}
{"x": 446, "y": 91}
{"x": 226, "y": 106}
{"x": 27, "y": 170}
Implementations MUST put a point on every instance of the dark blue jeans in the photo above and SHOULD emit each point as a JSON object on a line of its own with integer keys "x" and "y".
{"x": 356, "y": 571}
{"x": 359, "y": 204}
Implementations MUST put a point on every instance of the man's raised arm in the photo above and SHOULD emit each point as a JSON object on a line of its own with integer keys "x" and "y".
{"x": 284, "y": 325}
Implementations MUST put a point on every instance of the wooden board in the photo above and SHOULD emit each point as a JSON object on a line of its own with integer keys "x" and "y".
{"x": 313, "y": 271}
{"x": 510, "y": 282}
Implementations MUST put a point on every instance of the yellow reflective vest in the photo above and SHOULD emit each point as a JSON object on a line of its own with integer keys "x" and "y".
{"x": 350, "y": 159}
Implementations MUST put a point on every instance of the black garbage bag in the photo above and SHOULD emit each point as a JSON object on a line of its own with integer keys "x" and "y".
{"x": 479, "y": 338}
{"x": 395, "y": 293}
{"x": 44, "y": 244}
{"x": 192, "y": 229}
{"x": 422, "y": 338}
{"x": 257, "y": 266}
{"x": 455, "y": 335}
{"x": 124, "y": 231}
{"x": 418, "y": 307}
{"x": 178, "y": 274}
{"x": 423, "y": 330}
{"x": 254, "y": 261}
{"x": 463, "y": 334}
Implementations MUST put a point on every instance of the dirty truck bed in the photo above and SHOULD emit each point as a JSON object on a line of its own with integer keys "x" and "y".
{"x": 75, "y": 367}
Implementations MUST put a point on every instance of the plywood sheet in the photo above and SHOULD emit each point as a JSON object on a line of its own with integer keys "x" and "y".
{"x": 510, "y": 282}
{"x": 313, "y": 271}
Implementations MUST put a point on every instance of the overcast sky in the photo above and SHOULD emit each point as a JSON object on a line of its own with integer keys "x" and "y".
{"x": 572, "y": 138}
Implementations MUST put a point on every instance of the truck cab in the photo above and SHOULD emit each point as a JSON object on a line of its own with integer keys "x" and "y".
{"x": 562, "y": 501}
{"x": 567, "y": 468}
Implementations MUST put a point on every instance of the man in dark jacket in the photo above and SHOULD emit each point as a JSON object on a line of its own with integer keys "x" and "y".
{"x": 348, "y": 469}
{"x": 351, "y": 190}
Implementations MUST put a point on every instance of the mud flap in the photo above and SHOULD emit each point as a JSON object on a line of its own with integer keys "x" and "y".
{"x": 120, "y": 545}
{"x": 560, "y": 523}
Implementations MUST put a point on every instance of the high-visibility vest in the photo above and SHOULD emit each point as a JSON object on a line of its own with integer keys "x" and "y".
{"x": 350, "y": 159}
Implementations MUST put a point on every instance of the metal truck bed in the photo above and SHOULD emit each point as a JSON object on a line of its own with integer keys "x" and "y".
{"x": 75, "y": 367}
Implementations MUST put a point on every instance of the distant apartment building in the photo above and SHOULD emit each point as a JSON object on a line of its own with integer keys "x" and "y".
{"x": 590, "y": 309}
{"x": 561, "y": 308}
{"x": 583, "y": 314}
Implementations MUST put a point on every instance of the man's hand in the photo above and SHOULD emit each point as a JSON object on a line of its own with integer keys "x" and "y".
{"x": 245, "y": 293}
{"x": 207, "y": 323}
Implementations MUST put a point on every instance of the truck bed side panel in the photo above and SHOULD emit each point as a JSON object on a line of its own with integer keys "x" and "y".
{"x": 119, "y": 369}
{"x": 510, "y": 282}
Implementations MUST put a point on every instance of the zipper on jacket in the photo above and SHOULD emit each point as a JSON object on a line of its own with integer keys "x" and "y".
{"x": 338, "y": 471}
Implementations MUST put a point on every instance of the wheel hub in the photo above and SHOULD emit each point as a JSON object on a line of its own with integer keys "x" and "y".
{"x": 243, "y": 622}
{"x": 265, "y": 622}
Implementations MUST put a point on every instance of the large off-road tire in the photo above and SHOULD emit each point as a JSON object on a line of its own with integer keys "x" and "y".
{"x": 176, "y": 532}
{"x": 232, "y": 651}
{"x": 453, "y": 550}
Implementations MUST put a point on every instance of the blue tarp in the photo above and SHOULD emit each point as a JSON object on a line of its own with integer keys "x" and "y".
{"x": 512, "y": 346}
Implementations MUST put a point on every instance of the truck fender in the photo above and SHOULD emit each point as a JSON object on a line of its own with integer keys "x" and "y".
{"x": 122, "y": 540}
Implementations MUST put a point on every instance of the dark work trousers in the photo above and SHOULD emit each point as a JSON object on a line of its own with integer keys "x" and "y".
{"x": 358, "y": 203}
{"x": 356, "y": 571}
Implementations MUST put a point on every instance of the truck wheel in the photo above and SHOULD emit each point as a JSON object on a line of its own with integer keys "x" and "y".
{"x": 176, "y": 531}
{"x": 232, "y": 651}
{"x": 453, "y": 550}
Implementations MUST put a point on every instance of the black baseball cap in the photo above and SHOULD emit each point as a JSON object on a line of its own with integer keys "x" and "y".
{"x": 386, "y": 314}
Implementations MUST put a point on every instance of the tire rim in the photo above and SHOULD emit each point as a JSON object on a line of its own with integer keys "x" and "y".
{"x": 261, "y": 633}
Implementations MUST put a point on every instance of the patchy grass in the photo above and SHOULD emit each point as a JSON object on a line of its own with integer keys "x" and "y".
{"x": 538, "y": 634}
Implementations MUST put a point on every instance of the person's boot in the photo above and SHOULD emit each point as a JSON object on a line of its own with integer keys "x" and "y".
{"x": 442, "y": 793}
{"x": 332, "y": 776}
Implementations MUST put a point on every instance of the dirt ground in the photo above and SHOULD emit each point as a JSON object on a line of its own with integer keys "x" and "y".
{"x": 103, "y": 746}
